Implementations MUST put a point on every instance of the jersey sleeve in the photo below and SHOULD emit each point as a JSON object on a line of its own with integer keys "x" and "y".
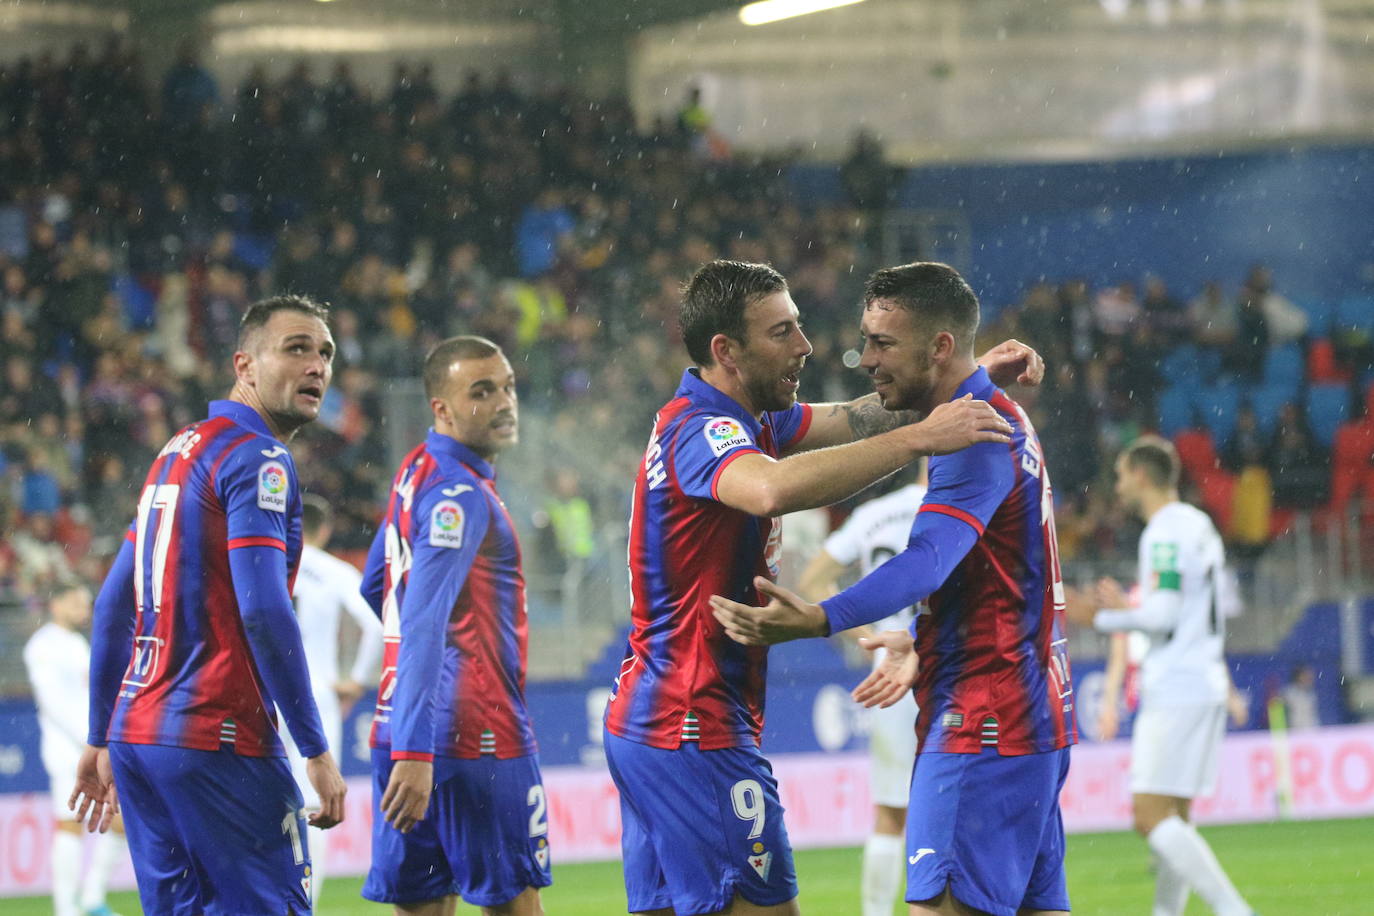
{"x": 256, "y": 484}
{"x": 969, "y": 485}
{"x": 843, "y": 543}
{"x": 790, "y": 425}
{"x": 447, "y": 532}
{"x": 704, "y": 447}
{"x": 1161, "y": 569}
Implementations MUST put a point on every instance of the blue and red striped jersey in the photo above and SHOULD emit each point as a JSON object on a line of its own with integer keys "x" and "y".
{"x": 220, "y": 484}
{"x": 682, "y": 678}
{"x": 446, "y": 563}
{"x": 994, "y": 659}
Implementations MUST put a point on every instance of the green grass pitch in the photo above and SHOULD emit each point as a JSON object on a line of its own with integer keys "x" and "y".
{"x": 1311, "y": 868}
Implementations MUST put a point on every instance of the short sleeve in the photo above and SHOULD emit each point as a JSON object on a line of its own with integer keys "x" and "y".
{"x": 256, "y": 484}
{"x": 843, "y": 544}
{"x": 790, "y": 425}
{"x": 704, "y": 446}
{"x": 970, "y": 484}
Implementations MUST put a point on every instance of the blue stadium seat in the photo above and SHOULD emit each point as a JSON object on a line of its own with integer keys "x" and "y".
{"x": 1175, "y": 410}
{"x": 1355, "y": 312}
{"x": 1328, "y": 406}
{"x": 1183, "y": 365}
{"x": 1217, "y": 405}
{"x": 1284, "y": 367}
{"x": 1266, "y": 401}
{"x": 1320, "y": 313}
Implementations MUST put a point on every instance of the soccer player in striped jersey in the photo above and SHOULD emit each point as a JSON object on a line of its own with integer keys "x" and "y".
{"x": 996, "y": 703}
{"x": 195, "y": 639}
{"x": 453, "y": 761}
{"x": 1184, "y": 684}
{"x": 701, "y": 823}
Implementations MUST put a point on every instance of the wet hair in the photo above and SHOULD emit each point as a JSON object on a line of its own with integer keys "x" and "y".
{"x": 259, "y": 313}
{"x": 446, "y": 353}
{"x": 1157, "y": 457}
{"x": 315, "y": 514}
{"x": 715, "y": 299}
{"x": 938, "y": 298}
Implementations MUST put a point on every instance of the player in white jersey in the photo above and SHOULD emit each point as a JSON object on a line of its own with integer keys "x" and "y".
{"x": 58, "y": 659}
{"x": 1183, "y": 679}
{"x": 326, "y": 585}
{"x": 876, "y": 531}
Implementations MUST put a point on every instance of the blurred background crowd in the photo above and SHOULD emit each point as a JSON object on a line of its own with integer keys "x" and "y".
{"x": 139, "y": 217}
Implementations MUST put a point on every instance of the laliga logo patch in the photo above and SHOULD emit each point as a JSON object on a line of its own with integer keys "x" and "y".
{"x": 761, "y": 861}
{"x": 446, "y": 525}
{"x": 272, "y": 486}
{"x": 725, "y": 433}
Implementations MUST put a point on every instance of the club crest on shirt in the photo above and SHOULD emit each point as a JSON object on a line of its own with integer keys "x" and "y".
{"x": 761, "y": 861}
{"x": 725, "y": 433}
{"x": 446, "y": 524}
{"x": 541, "y": 853}
{"x": 272, "y": 486}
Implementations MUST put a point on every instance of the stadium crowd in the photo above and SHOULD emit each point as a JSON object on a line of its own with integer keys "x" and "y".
{"x": 138, "y": 220}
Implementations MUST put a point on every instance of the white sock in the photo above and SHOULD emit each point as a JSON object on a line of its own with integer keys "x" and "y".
{"x": 319, "y": 843}
{"x": 1181, "y": 847}
{"x": 66, "y": 872}
{"x": 109, "y": 849}
{"x": 1171, "y": 890}
{"x": 884, "y": 869}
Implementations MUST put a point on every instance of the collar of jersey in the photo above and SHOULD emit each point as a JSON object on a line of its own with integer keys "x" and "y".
{"x": 703, "y": 394}
{"x": 978, "y": 384}
{"x": 449, "y": 447}
{"x": 241, "y": 414}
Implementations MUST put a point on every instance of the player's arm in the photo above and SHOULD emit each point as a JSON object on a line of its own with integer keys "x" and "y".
{"x": 443, "y": 557}
{"x": 1008, "y": 363}
{"x": 760, "y": 485}
{"x": 367, "y": 663}
{"x": 965, "y": 491}
{"x": 1112, "y": 678}
{"x": 1159, "y": 611}
{"x": 820, "y": 578}
{"x": 373, "y": 588}
{"x": 112, "y": 637}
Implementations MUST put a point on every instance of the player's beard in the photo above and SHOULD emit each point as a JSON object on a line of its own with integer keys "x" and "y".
{"x": 767, "y": 393}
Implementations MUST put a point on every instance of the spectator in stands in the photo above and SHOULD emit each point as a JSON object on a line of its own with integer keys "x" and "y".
{"x": 1244, "y": 358}
{"x": 1213, "y": 318}
{"x": 1166, "y": 316}
{"x": 1286, "y": 322}
{"x": 1300, "y": 467}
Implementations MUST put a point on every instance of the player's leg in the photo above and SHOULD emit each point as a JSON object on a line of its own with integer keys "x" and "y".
{"x": 410, "y": 871}
{"x": 891, "y": 751}
{"x": 884, "y": 862}
{"x": 492, "y": 819}
{"x": 714, "y": 824}
{"x": 66, "y": 866}
{"x": 109, "y": 848}
{"x": 169, "y": 879}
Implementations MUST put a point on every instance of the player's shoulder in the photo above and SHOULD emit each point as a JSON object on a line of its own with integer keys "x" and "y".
{"x": 334, "y": 566}
{"x": 1180, "y": 520}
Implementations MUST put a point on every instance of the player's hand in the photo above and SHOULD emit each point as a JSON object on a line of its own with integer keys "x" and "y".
{"x": 1111, "y": 594}
{"x": 407, "y": 793}
{"x": 328, "y": 783}
{"x": 895, "y": 675}
{"x": 786, "y": 617}
{"x": 1079, "y": 606}
{"x": 1108, "y": 721}
{"x": 955, "y": 425}
{"x": 1012, "y": 362}
{"x": 94, "y": 799}
{"x": 348, "y": 691}
{"x": 1237, "y": 708}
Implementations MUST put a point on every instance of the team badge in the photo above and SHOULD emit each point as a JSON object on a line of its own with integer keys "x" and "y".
{"x": 446, "y": 525}
{"x": 272, "y": 486}
{"x": 541, "y": 853}
{"x": 305, "y": 882}
{"x": 725, "y": 433}
{"x": 761, "y": 861}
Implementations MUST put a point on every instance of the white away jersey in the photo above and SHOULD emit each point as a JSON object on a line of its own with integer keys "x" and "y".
{"x": 1181, "y": 550}
{"x": 326, "y": 585}
{"x": 874, "y": 533}
{"x": 58, "y": 662}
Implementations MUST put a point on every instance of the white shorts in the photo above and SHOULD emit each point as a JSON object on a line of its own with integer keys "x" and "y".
{"x": 331, "y": 722}
{"x": 892, "y": 752}
{"x": 1175, "y": 750}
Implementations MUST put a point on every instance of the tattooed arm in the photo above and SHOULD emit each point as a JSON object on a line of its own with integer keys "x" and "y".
{"x": 1007, "y": 363}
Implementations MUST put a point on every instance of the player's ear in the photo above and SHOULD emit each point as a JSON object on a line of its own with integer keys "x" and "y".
{"x": 244, "y": 368}
{"x": 441, "y": 411}
{"x": 943, "y": 347}
{"x": 723, "y": 350}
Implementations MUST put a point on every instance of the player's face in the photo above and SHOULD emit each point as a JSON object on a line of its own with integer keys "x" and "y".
{"x": 72, "y": 608}
{"x": 290, "y": 366}
{"x": 480, "y": 404}
{"x": 774, "y": 351}
{"x": 897, "y": 357}
{"x": 1127, "y": 484}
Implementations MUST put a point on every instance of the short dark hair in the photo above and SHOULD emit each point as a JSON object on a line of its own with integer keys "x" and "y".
{"x": 259, "y": 313}
{"x": 315, "y": 514}
{"x": 940, "y": 299}
{"x": 1157, "y": 457}
{"x": 60, "y": 586}
{"x": 446, "y": 352}
{"x": 714, "y": 300}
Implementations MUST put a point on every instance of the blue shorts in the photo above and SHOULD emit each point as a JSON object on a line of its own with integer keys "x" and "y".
{"x": 213, "y": 832}
{"x": 699, "y": 827}
{"x": 484, "y": 837}
{"x": 989, "y": 827}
